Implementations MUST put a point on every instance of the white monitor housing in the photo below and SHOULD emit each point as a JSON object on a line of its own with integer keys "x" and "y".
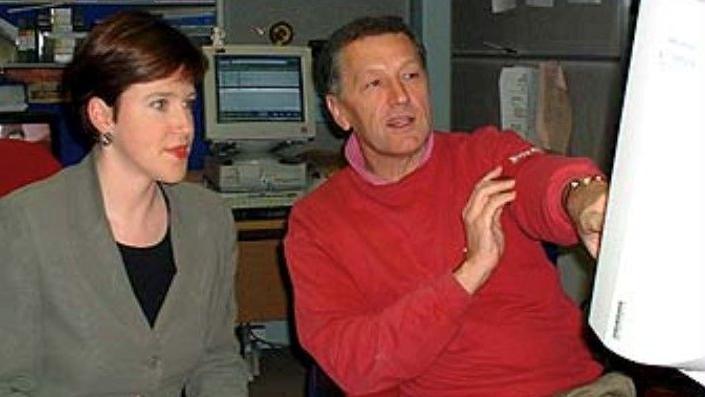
{"x": 648, "y": 302}
{"x": 259, "y": 93}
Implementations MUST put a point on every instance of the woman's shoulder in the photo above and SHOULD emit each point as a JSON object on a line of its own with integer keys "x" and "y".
{"x": 192, "y": 191}
{"x": 195, "y": 198}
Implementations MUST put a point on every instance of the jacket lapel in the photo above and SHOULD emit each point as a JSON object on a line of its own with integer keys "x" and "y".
{"x": 96, "y": 254}
{"x": 185, "y": 290}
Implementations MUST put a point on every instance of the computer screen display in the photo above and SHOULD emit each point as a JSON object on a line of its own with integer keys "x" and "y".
{"x": 648, "y": 302}
{"x": 259, "y": 93}
{"x": 259, "y": 88}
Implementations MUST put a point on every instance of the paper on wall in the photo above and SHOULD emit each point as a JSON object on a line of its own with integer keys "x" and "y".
{"x": 554, "y": 115}
{"x": 518, "y": 87}
{"x": 540, "y": 3}
{"x": 584, "y": 1}
{"x": 503, "y": 5}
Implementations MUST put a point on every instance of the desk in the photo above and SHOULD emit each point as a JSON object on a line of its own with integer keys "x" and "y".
{"x": 260, "y": 282}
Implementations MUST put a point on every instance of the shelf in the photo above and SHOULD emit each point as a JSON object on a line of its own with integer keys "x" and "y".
{"x": 108, "y": 2}
{"x": 17, "y": 6}
{"x": 32, "y": 65}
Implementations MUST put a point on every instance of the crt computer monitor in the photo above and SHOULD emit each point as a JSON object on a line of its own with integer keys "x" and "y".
{"x": 259, "y": 93}
{"x": 649, "y": 297}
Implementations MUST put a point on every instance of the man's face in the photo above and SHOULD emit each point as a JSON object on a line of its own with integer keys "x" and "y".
{"x": 383, "y": 97}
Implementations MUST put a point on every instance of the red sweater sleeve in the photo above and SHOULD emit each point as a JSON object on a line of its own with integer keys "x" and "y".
{"x": 366, "y": 351}
{"x": 539, "y": 207}
{"x": 540, "y": 182}
{"x": 22, "y": 163}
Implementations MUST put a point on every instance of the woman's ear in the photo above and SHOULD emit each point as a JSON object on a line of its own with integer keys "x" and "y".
{"x": 337, "y": 110}
{"x": 100, "y": 115}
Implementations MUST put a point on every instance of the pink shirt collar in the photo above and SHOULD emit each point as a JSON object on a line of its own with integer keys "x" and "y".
{"x": 353, "y": 154}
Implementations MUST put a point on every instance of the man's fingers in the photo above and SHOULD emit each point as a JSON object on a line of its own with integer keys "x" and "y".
{"x": 490, "y": 179}
{"x": 494, "y": 173}
{"x": 493, "y": 209}
{"x": 486, "y": 189}
{"x": 490, "y": 212}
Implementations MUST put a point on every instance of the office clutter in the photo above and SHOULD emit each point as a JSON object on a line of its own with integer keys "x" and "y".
{"x": 41, "y": 84}
{"x": 269, "y": 182}
{"x": 26, "y": 41}
{"x": 588, "y": 41}
{"x": 35, "y": 42}
{"x": 518, "y": 86}
{"x": 55, "y": 30}
{"x": 554, "y": 114}
{"x": 12, "y": 98}
{"x": 322, "y": 165}
{"x": 258, "y": 101}
{"x": 8, "y": 35}
{"x": 50, "y": 35}
{"x": 534, "y": 102}
{"x": 60, "y": 34}
{"x": 51, "y": 31}
{"x": 256, "y": 182}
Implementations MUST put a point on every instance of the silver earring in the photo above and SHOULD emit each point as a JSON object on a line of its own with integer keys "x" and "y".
{"x": 105, "y": 139}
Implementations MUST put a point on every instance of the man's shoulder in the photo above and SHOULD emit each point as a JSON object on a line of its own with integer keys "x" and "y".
{"x": 329, "y": 194}
{"x": 469, "y": 137}
{"x": 483, "y": 142}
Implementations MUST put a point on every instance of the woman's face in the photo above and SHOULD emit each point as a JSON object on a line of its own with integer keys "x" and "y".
{"x": 153, "y": 129}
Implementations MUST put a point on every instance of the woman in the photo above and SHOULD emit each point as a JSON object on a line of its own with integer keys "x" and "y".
{"x": 114, "y": 278}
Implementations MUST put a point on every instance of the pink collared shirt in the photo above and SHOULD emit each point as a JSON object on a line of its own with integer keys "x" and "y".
{"x": 353, "y": 154}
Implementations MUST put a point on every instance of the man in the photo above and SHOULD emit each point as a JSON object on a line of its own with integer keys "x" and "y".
{"x": 418, "y": 270}
{"x": 23, "y": 162}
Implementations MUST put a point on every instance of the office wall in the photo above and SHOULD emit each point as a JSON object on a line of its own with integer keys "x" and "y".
{"x": 590, "y": 41}
{"x": 595, "y": 90}
{"x": 430, "y": 19}
{"x": 316, "y": 19}
{"x": 311, "y": 19}
{"x": 564, "y": 29}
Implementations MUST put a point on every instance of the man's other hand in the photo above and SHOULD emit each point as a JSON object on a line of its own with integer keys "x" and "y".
{"x": 483, "y": 232}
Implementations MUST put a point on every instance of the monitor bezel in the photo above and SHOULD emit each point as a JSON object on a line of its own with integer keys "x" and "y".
{"x": 215, "y": 131}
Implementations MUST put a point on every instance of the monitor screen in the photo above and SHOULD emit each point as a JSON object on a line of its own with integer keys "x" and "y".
{"x": 648, "y": 302}
{"x": 259, "y": 88}
{"x": 259, "y": 93}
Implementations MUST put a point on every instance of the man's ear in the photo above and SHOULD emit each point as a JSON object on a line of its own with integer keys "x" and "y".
{"x": 337, "y": 110}
{"x": 100, "y": 115}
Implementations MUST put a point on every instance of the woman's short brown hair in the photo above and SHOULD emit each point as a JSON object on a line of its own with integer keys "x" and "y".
{"x": 128, "y": 47}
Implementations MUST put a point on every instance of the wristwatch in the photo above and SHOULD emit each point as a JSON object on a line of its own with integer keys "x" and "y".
{"x": 580, "y": 183}
{"x": 576, "y": 183}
